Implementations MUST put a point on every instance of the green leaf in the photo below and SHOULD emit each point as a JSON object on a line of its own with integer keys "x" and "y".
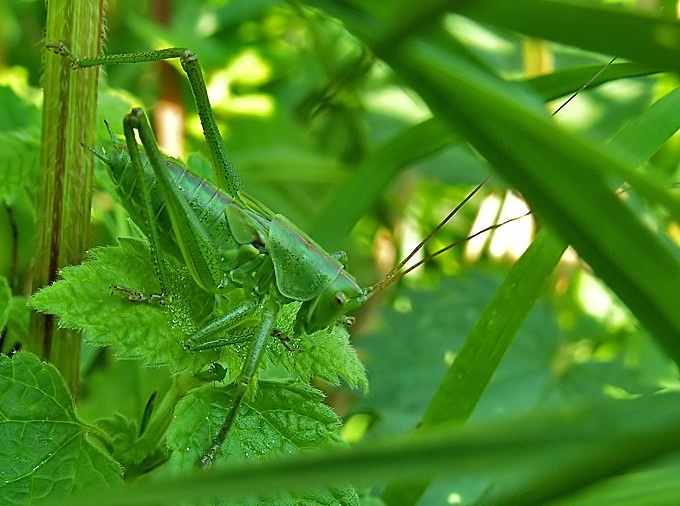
{"x": 281, "y": 418}
{"x": 18, "y": 112}
{"x": 432, "y": 326}
{"x": 5, "y": 296}
{"x": 19, "y": 159}
{"x": 327, "y": 354}
{"x": 83, "y": 299}
{"x": 16, "y": 330}
{"x": 46, "y": 449}
{"x": 135, "y": 453}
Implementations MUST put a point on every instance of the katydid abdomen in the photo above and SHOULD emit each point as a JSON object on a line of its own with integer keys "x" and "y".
{"x": 207, "y": 202}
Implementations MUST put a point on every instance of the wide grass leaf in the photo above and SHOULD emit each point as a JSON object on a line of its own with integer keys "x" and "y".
{"x": 547, "y": 454}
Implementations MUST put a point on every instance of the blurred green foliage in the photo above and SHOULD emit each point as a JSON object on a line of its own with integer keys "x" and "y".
{"x": 303, "y": 107}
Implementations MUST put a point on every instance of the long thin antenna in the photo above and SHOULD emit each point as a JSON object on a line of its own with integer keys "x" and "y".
{"x": 584, "y": 86}
{"x": 456, "y": 243}
{"x": 395, "y": 275}
{"x": 381, "y": 285}
{"x": 436, "y": 229}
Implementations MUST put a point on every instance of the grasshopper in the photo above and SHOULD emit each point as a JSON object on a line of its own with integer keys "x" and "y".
{"x": 227, "y": 238}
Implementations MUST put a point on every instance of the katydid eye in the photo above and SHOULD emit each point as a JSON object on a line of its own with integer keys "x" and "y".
{"x": 340, "y": 298}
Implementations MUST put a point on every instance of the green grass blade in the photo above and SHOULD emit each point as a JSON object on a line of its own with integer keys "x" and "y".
{"x": 638, "y": 37}
{"x": 483, "y": 350}
{"x": 560, "y": 451}
{"x": 645, "y": 487}
{"x": 563, "y": 81}
{"x": 368, "y": 181}
{"x": 555, "y": 170}
{"x": 495, "y": 330}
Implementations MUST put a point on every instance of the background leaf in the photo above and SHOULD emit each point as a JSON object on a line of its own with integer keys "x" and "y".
{"x": 355, "y": 120}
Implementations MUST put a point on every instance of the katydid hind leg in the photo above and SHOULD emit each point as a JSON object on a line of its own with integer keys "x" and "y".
{"x": 224, "y": 171}
{"x": 147, "y": 208}
{"x": 198, "y": 249}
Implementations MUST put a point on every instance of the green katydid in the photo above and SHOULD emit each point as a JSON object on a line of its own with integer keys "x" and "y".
{"x": 227, "y": 238}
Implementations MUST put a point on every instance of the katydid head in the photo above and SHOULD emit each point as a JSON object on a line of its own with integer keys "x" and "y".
{"x": 343, "y": 294}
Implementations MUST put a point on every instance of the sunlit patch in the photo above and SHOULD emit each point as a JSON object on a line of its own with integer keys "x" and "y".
{"x": 624, "y": 90}
{"x": 392, "y": 101}
{"x": 207, "y": 23}
{"x": 488, "y": 211}
{"x": 674, "y": 232}
{"x": 597, "y": 301}
{"x": 16, "y": 78}
{"x": 384, "y": 252}
{"x": 454, "y": 498}
{"x": 169, "y": 122}
{"x": 582, "y": 113}
{"x": 509, "y": 241}
{"x": 248, "y": 70}
{"x": 616, "y": 392}
{"x": 411, "y": 235}
{"x": 475, "y": 35}
{"x": 403, "y": 304}
{"x": 355, "y": 427}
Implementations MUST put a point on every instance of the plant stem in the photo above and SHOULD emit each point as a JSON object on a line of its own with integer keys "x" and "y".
{"x": 65, "y": 190}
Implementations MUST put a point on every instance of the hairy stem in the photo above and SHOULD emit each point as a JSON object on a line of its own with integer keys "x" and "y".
{"x": 65, "y": 190}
